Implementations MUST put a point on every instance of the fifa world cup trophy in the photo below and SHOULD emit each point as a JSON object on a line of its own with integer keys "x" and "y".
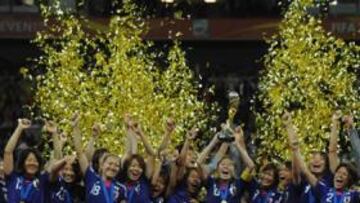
{"x": 226, "y": 134}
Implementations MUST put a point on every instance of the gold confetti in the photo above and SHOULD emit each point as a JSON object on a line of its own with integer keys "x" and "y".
{"x": 103, "y": 76}
{"x": 310, "y": 73}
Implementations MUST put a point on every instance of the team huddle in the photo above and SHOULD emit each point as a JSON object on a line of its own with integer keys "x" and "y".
{"x": 223, "y": 172}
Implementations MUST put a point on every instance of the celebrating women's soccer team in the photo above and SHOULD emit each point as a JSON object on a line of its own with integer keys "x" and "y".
{"x": 223, "y": 172}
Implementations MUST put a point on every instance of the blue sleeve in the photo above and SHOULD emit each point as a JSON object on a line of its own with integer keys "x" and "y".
{"x": 209, "y": 182}
{"x": 90, "y": 175}
{"x": 11, "y": 177}
{"x": 44, "y": 178}
{"x": 252, "y": 186}
{"x": 328, "y": 179}
{"x": 294, "y": 192}
{"x": 321, "y": 189}
{"x": 355, "y": 196}
{"x": 240, "y": 185}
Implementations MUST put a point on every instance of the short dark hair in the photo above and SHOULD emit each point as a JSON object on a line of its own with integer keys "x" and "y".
{"x": 198, "y": 170}
{"x": 325, "y": 156}
{"x": 274, "y": 168}
{"x": 164, "y": 173}
{"x": 353, "y": 177}
{"x": 123, "y": 174}
{"x": 76, "y": 168}
{"x": 287, "y": 164}
{"x": 95, "y": 162}
{"x": 23, "y": 154}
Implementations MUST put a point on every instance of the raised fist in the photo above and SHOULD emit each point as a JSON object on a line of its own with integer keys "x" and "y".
{"x": 50, "y": 126}
{"x": 24, "y": 123}
{"x": 170, "y": 125}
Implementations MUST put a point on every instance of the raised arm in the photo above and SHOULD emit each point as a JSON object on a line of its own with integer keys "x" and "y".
{"x": 11, "y": 145}
{"x": 51, "y": 127}
{"x": 178, "y": 167}
{"x": 148, "y": 148}
{"x": 241, "y": 146}
{"x": 161, "y": 154}
{"x": 224, "y": 147}
{"x": 298, "y": 163}
{"x": 90, "y": 148}
{"x": 311, "y": 178}
{"x": 157, "y": 167}
{"x": 150, "y": 161}
{"x": 55, "y": 167}
{"x": 333, "y": 156}
{"x": 206, "y": 151}
{"x": 294, "y": 144}
{"x": 169, "y": 129}
{"x": 83, "y": 162}
{"x": 131, "y": 141}
{"x": 181, "y": 162}
{"x": 207, "y": 169}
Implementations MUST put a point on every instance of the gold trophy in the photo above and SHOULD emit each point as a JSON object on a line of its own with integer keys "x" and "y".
{"x": 226, "y": 135}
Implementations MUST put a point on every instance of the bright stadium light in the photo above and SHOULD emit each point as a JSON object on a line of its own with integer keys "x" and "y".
{"x": 167, "y": 1}
{"x": 28, "y": 2}
{"x": 210, "y": 1}
{"x": 334, "y": 3}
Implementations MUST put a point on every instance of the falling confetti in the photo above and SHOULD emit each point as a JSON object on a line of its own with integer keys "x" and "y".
{"x": 104, "y": 75}
{"x": 310, "y": 73}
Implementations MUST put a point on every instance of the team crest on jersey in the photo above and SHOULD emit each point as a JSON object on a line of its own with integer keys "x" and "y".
{"x": 271, "y": 198}
{"x": 19, "y": 183}
{"x": 232, "y": 189}
{"x": 158, "y": 200}
{"x": 347, "y": 199}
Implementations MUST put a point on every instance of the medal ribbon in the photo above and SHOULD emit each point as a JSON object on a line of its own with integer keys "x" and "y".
{"x": 311, "y": 197}
{"x": 109, "y": 198}
{"x": 66, "y": 187}
{"x": 336, "y": 200}
{"x": 68, "y": 197}
{"x": 25, "y": 190}
{"x": 131, "y": 193}
{"x": 224, "y": 193}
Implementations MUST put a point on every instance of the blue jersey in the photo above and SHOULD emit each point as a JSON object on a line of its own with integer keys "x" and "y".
{"x": 258, "y": 195}
{"x": 157, "y": 200}
{"x": 28, "y": 191}
{"x": 62, "y": 192}
{"x": 231, "y": 192}
{"x": 98, "y": 192}
{"x": 180, "y": 195}
{"x": 330, "y": 195}
{"x": 309, "y": 194}
{"x": 291, "y": 194}
{"x": 3, "y": 191}
{"x": 139, "y": 191}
